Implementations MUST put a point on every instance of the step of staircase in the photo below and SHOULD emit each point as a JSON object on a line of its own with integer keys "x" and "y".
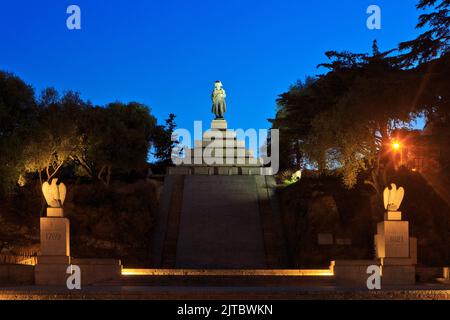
{"x": 220, "y": 281}
{"x": 228, "y": 278}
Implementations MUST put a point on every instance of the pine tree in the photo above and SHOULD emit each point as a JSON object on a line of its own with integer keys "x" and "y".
{"x": 375, "y": 49}
{"x": 163, "y": 141}
{"x": 436, "y": 40}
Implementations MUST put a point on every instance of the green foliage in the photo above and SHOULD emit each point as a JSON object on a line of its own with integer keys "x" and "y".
{"x": 45, "y": 135}
{"x": 117, "y": 136}
{"x": 289, "y": 181}
{"x": 296, "y": 110}
{"x": 343, "y": 120}
{"x": 55, "y": 134}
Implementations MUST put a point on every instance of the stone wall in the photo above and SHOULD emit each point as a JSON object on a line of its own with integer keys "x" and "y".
{"x": 15, "y": 274}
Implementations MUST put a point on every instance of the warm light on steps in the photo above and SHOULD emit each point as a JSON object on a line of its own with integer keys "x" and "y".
{"x": 228, "y": 272}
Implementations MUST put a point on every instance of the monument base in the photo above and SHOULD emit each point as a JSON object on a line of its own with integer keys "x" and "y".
{"x": 98, "y": 270}
{"x": 396, "y": 251}
{"x": 220, "y": 124}
{"x": 394, "y": 272}
{"x": 352, "y": 273}
{"x": 51, "y": 270}
{"x": 55, "y": 212}
{"x": 398, "y": 271}
{"x": 52, "y": 264}
{"x": 219, "y": 147}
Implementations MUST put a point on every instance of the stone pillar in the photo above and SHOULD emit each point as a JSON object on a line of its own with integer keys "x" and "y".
{"x": 395, "y": 250}
{"x": 54, "y": 259}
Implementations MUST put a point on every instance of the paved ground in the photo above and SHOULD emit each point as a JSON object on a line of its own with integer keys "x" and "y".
{"x": 426, "y": 291}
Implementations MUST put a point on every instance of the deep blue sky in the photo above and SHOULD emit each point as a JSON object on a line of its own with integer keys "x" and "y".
{"x": 167, "y": 54}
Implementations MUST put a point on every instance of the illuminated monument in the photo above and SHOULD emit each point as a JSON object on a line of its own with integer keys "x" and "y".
{"x": 219, "y": 151}
{"x": 395, "y": 250}
{"x": 55, "y": 237}
{"x": 218, "y": 208}
{"x": 52, "y": 263}
{"x": 219, "y": 105}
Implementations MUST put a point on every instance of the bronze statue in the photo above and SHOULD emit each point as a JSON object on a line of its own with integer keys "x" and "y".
{"x": 219, "y": 106}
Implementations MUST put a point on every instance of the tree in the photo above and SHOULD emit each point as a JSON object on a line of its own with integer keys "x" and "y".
{"x": 164, "y": 143}
{"x": 18, "y": 111}
{"x": 41, "y": 136}
{"x": 296, "y": 110}
{"x": 54, "y": 139}
{"x": 95, "y": 139}
{"x": 298, "y": 107}
{"x": 436, "y": 40}
{"x": 380, "y": 99}
{"x": 115, "y": 137}
{"x": 343, "y": 119}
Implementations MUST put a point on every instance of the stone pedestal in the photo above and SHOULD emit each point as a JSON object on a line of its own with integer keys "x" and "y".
{"x": 398, "y": 271}
{"x": 51, "y": 274}
{"x": 220, "y": 147}
{"x": 393, "y": 216}
{"x": 52, "y": 263}
{"x": 351, "y": 273}
{"x": 55, "y": 212}
{"x": 396, "y": 254}
{"x": 220, "y": 124}
{"x": 395, "y": 250}
{"x": 55, "y": 250}
{"x": 392, "y": 239}
{"x": 98, "y": 270}
{"x": 55, "y": 236}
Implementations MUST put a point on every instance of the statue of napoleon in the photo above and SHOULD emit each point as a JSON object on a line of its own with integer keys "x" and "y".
{"x": 219, "y": 106}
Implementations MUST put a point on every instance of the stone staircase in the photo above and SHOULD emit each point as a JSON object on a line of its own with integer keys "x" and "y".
{"x": 173, "y": 223}
{"x": 219, "y": 209}
{"x": 220, "y": 224}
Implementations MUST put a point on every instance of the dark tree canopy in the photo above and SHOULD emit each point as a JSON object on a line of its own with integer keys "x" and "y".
{"x": 17, "y": 116}
{"x": 343, "y": 120}
{"x": 117, "y": 136}
{"x": 435, "y": 41}
{"x": 45, "y": 134}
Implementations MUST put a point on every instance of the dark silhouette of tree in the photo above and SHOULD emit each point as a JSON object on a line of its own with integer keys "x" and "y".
{"x": 436, "y": 40}
{"x": 164, "y": 142}
{"x": 55, "y": 135}
{"x": 294, "y": 125}
{"x": 375, "y": 49}
{"x": 115, "y": 137}
{"x": 342, "y": 120}
{"x": 18, "y": 111}
{"x": 42, "y": 136}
